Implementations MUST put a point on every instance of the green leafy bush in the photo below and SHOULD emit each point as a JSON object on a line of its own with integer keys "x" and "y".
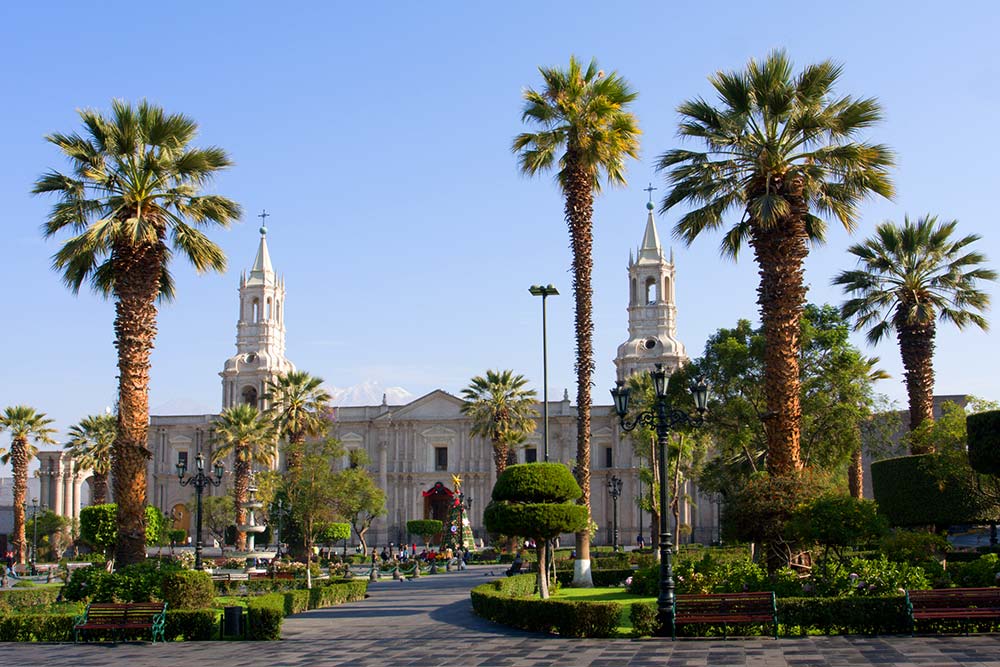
{"x": 91, "y": 583}
{"x": 869, "y": 576}
{"x": 336, "y": 593}
{"x": 520, "y": 585}
{"x": 920, "y": 491}
{"x": 979, "y": 573}
{"x": 537, "y": 520}
{"x": 837, "y": 522}
{"x": 601, "y": 578}
{"x": 187, "y": 589}
{"x": 27, "y": 598}
{"x": 296, "y": 602}
{"x": 425, "y": 528}
{"x": 711, "y": 576}
{"x": 99, "y": 530}
{"x": 915, "y": 547}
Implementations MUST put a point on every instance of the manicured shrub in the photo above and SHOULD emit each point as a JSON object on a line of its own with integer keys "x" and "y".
{"x": 520, "y": 585}
{"x": 537, "y": 483}
{"x": 191, "y": 624}
{"x": 99, "y": 530}
{"x": 568, "y": 618}
{"x": 983, "y": 437}
{"x": 536, "y": 520}
{"x": 296, "y": 602}
{"x": 910, "y": 491}
{"x": 92, "y": 584}
{"x": 264, "y": 616}
{"x": 425, "y": 528}
{"x": 837, "y": 522}
{"x": 915, "y": 547}
{"x": 187, "y": 589}
{"x": 335, "y": 593}
{"x": 601, "y": 578}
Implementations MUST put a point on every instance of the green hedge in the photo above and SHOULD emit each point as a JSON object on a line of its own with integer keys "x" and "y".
{"x": 846, "y": 615}
{"x": 337, "y": 593}
{"x": 36, "y": 627}
{"x": 264, "y": 616}
{"x": 191, "y": 624}
{"x": 575, "y": 618}
{"x": 223, "y": 587}
{"x": 909, "y": 493}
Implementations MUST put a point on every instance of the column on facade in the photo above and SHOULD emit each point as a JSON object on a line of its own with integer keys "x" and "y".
{"x": 44, "y": 486}
{"x": 77, "y": 500}
{"x": 68, "y": 491}
{"x": 57, "y": 501}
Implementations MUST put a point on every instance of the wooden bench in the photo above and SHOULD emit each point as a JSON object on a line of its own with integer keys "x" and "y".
{"x": 947, "y": 604}
{"x": 725, "y": 609}
{"x": 117, "y": 618}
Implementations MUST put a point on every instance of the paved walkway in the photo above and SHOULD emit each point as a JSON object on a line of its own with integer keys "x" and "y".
{"x": 430, "y": 622}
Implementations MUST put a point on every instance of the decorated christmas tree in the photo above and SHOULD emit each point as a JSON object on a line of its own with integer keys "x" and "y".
{"x": 457, "y": 528}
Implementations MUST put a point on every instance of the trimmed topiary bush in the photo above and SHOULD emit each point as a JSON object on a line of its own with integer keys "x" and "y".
{"x": 425, "y": 528}
{"x": 575, "y": 618}
{"x": 264, "y": 616}
{"x": 537, "y": 483}
{"x": 909, "y": 492}
{"x": 983, "y": 437}
{"x": 191, "y": 625}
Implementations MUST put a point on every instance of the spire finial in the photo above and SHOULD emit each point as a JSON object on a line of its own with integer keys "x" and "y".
{"x": 264, "y": 215}
{"x": 649, "y": 204}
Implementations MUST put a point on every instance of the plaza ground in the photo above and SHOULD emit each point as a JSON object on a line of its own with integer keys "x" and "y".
{"x": 430, "y": 622}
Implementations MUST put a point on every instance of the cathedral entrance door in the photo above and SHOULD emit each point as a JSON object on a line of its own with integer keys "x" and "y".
{"x": 437, "y": 502}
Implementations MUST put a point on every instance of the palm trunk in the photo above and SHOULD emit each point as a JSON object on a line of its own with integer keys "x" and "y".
{"x": 856, "y": 474}
{"x": 137, "y": 271}
{"x": 579, "y": 211}
{"x": 500, "y": 453}
{"x": 294, "y": 453}
{"x": 19, "y": 463}
{"x": 241, "y": 491}
{"x": 916, "y": 345}
{"x": 780, "y": 252}
{"x": 99, "y": 486}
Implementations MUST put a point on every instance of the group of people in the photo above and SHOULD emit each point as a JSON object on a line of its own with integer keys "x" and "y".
{"x": 407, "y": 553}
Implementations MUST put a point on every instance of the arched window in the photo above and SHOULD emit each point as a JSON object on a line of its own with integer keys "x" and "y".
{"x": 631, "y": 294}
{"x": 267, "y": 311}
{"x": 250, "y": 396}
{"x": 650, "y": 291}
{"x": 256, "y": 310}
{"x": 666, "y": 289}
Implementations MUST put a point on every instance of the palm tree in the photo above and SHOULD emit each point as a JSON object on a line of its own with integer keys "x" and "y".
{"x": 90, "y": 444}
{"x": 24, "y": 425}
{"x": 131, "y": 200}
{"x": 584, "y": 126}
{"x": 241, "y": 432}
{"x": 299, "y": 407}
{"x": 502, "y": 411}
{"x": 780, "y": 150}
{"x": 907, "y": 278}
{"x": 856, "y": 469}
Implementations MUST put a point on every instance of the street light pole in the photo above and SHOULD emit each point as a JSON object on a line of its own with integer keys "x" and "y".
{"x": 663, "y": 418}
{"x": 544, "y": 292}
{"x": 34, "y": 539}
{"x": 615, "y": 489}
{"x": 200, "y": 481}
{"x": 641, "y": 538}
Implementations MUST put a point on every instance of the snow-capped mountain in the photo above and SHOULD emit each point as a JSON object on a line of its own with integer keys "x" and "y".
{"x": 369, "y": 393}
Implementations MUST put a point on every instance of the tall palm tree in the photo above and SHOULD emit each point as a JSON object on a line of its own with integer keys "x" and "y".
{"x": 780, "y": 150}
{"x": 502, "y": 411}
{"x": 242, "y": 433}
{"x": 25, "y": 425}
{"x": 908, "y": 277}
{"x": 90, "y": 444}
{"x": 298, "y": 407}
{"x": 585, "y": 127}
{"x": 130, "y": 201}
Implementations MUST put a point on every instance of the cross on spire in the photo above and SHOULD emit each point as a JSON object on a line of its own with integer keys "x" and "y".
{"x": 263, "y": 215}
{"x": 650, "y": 191}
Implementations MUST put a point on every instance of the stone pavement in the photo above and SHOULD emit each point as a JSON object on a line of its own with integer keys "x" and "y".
{"x": 430, "y": 622}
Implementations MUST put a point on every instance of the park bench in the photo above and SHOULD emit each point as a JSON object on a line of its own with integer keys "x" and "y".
{"x": 953, "y": 604}
{"x": 117, "y": 618}
{"x": 725, "y": 609}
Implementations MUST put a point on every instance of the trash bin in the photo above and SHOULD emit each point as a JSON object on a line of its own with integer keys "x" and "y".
{"x": 232, "y": 622}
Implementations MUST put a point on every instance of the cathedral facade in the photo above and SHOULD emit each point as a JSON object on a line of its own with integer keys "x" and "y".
{"x": 413, "y": 447}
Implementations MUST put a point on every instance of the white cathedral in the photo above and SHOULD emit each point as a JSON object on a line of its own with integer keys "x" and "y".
{"x": 416, "y": 446}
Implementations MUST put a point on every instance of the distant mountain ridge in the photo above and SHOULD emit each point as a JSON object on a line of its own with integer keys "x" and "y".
{"x": 368, "y": 392}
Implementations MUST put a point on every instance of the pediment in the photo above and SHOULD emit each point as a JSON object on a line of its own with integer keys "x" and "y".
{"x": 436, "y": 405}
{"x": 352, "y": 438}
{"x": 180, "y": 440}
{"x": 438, "y": 432}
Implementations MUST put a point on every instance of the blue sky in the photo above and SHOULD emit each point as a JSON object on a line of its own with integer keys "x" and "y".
{"x": 378, "y": 138}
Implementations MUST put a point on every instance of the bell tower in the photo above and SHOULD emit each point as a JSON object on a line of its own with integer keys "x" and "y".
{"x": 260, "y": 333}
{"x": 652, "y": 314}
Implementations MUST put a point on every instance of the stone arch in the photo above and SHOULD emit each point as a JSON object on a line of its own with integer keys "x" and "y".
{"x": 249, "y": 395}
{"x": 650, "y": 288}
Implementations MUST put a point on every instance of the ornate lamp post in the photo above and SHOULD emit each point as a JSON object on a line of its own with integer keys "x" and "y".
{"x": 544, "y": 292}
{"x": 663, "y": 418}
{"x": 615, "y": 489}
{"x": 200, "y": 481}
